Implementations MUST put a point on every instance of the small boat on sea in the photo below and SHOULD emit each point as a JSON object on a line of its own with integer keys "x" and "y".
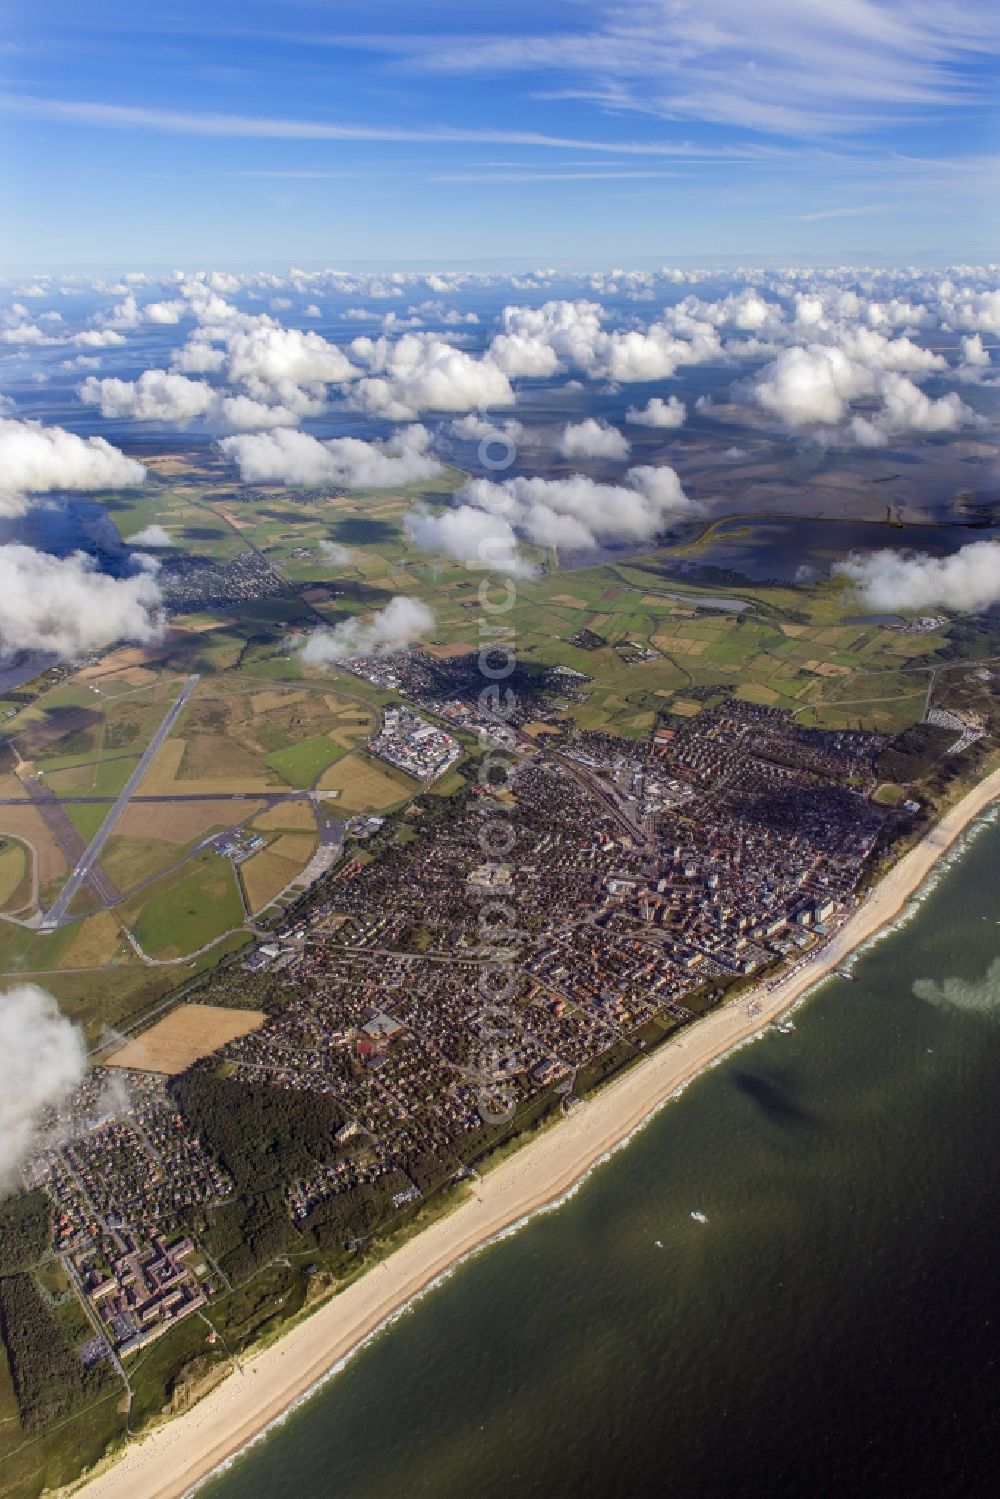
{"x": 699, "y": 1217}
{"x": 783, "y": 1027}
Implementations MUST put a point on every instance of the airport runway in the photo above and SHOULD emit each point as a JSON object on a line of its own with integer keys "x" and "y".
{"x": 57, "y": 912}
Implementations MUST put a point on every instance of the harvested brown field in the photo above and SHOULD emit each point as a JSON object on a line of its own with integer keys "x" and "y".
{"x": 364, "y": 786}
{"x": 129, "y": 655}
{"x": 290, "y": 815}
{"x": 163, "y": 772}
{"x": 295, "y": 846}
{"x": 168, "y": 464}
{"x": 537, "y": 729}
{"x": 263, "y": 702}
{"x": 181, "y": 822}
{"x": 184, "y": 1036}
{"x": 237, "y": 521}
{"x": 161, "y": 777}
{"x": 446, "y": 652}
{"x": 137, "y": 676}
{"x": 28, "y": 824}
{"x": 267, "y": 873}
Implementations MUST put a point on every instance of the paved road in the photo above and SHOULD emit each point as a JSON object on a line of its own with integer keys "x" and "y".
{"x": 57, "y": 912}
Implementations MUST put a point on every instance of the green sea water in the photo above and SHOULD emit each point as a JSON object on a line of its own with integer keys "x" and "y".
{"x": 832, "y": 1329}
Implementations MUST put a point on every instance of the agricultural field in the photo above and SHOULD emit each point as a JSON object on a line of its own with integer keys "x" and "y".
{"x": 360, "y": 783}
{"x": 184, "y": 1036}
{"x": 264, "y": 739}
{"x": 267, "y": 873}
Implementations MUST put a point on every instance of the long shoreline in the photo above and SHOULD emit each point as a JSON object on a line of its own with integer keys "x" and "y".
{"x": 178, "y": 1455}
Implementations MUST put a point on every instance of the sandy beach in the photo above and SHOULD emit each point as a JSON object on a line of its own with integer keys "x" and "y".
{"x": 177, "y": 1455}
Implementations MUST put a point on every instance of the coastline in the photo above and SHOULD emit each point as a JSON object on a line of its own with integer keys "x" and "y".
{"x": 176, "y": 1456}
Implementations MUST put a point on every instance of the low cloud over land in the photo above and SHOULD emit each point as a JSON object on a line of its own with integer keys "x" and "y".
{"x": 35, "y": 459}
{"x": 592, "y": 439}
{"x": 658, "y": 413}
{"x": 887, "y": 581}
{"x": 65, "y": 606}
{"x": 289, "y": 457}
{"x": 401, "y": 623}
{"x": 151, "y": 536}
{"x": 577, "y": 513}
{"x": 42, "y": 1058}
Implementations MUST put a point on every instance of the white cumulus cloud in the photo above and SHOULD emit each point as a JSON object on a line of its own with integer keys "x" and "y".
{"x": 65, "y": 606}
{"x": 151, "y": 536}
{"x": 334, "y": 553}
{"x": 296, "y": 458}
{"x": 157, "y": 396}
{"x": 658, "y": 413}
{"x": 887, "y": 581}
{"x": 592, "y": 438}
{"x": 470, "y": 535}
{"x": 906, "y": 408}
{"x": 44, "y": 1058}
{"x": 35, "y": 459}
{"x": 421, "y": 372}
{"x": 401, "y": 623}
{"x": 576, "y": 512}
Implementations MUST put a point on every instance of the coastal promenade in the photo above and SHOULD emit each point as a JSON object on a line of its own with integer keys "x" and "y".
{"x": 177, "y": 1455}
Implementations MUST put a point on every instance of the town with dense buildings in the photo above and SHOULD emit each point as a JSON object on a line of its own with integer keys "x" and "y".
{"x": 508, "y": 901}
{"x": 437, "y": 992}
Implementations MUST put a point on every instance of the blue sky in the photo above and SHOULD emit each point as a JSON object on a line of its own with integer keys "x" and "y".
{"x": 562, "y": 132}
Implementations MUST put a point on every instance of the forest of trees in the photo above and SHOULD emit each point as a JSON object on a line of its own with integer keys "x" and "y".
{"x": 49, "y": 1378}
{"x": 25, "y": 1230}
{"x": 263, "y": 1136}
{"x": 912, "y": 753}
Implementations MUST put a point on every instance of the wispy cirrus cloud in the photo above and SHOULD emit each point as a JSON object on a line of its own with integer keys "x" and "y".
{"x": 778, "y": 66}
{"x": 209, "y": 124}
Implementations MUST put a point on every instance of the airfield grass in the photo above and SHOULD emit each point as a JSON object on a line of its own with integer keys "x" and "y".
{"x": 300, "y": 764}
{"x": 186, "y": 909}
{"x": 95, "y": 942}
{"x": 127, "y": 861}
{"x": 104, "y": 779}
{"x": 27, "y": 823}
{"x": 183, "y": 823}
{"x": 15, "y": 874}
